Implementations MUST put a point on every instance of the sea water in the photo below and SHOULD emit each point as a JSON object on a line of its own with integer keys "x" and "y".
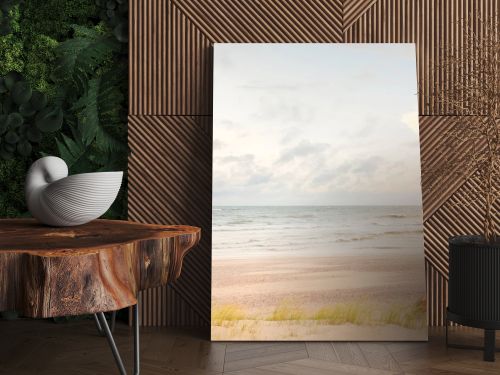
{"x": 267, "y": 231}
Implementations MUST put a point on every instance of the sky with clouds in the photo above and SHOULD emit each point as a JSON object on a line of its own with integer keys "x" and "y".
{"x": 315, "y": 124}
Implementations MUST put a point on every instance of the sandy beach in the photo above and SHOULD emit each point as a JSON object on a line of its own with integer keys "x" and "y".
{"x": 310, "y": 298}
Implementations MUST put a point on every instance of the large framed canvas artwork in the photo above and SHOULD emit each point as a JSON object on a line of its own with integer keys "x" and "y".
{"x": 317, "y": 229}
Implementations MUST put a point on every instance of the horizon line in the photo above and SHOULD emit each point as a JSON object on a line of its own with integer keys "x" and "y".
{"x": 317, "y": 205}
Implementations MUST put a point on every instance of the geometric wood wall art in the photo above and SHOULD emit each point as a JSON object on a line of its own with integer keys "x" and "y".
{"x": 170, "y": 108}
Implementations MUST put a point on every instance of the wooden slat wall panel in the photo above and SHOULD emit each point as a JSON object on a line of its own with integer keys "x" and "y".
{"x": 171, "y": 163}
{"x": 189, "y": 71}
{"x": 431, "y": 150}
{"x": 171, "y": 78}
{"x": 437, "y": 295}
{"x": 264, "y": 21}
{"x": 451, "y": 219}
{"x": 148, "y": 59}
{"x": 171, "y": 108}
{"x": 194, "y": 25}
{"x": 155, "y": 312}
{"x": 432, "y": 25}
{"x": 353, "y": 10}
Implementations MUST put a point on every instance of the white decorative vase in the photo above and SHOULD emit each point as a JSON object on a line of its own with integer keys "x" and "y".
{"x": 56, "y": 199}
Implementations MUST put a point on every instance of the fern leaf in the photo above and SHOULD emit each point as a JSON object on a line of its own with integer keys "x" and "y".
{"x": 72, "y": 152}
{"x": 80, "y": 56}
{"x": 98, "y": 114}
{"x": 88, "y": 112}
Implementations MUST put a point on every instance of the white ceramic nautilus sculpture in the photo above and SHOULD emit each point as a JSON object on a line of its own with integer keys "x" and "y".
{"x": 56, "y": 199}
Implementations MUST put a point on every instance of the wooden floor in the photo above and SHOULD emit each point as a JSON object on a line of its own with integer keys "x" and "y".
{"x": 42, "y": 347}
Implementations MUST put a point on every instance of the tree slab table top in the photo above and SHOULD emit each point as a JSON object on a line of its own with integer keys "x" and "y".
{"x": 100, "y": 266}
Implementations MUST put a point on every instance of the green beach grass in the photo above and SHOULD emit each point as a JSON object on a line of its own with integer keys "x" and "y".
{"x": 358, "y": 313}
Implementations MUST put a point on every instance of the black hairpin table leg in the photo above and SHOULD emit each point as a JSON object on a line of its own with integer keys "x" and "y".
{"x": 113, "y": 323}
{"x": 102, "y": 324}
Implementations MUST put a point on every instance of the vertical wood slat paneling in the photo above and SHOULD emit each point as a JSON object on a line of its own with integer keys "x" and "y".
{"x": 155, "y": 312}
{"x": 171, "y": 75}
{"x": 437, "y": 293}
{"x": 189, "y": 79}
{"x": 170, "y": 62}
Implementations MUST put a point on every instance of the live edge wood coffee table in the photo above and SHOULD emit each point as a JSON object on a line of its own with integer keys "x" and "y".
{"x": 89, "y": 269}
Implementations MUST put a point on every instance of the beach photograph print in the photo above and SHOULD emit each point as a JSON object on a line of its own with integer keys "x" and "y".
{"x": 317, "y": 229}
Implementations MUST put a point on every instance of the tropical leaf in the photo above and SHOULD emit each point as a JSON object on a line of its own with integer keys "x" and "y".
{"x": 75, "y": 153}
{"x": 82, "y": 158}
{"x": 21, "y": 92}
{"x": 98, "y": 114}
{"x": 80, "y": 56}
{"x": 49, "y": 119}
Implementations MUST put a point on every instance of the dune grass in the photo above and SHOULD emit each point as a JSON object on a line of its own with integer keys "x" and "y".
{"x": 358, "y": 313}
{"x": 410, "y": 316}
{"x": 227, "y": 313}
{"x": 286, "y": 310}
{"x": 343, "y": 313}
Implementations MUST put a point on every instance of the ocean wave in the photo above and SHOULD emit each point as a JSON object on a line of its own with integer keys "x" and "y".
{"x": 241, "y": 221}
{"x": 377, "y": 235}
{"x": 354, "y": 239}
{"x": 416, "y": 231}
{"x": 394, "y": 216}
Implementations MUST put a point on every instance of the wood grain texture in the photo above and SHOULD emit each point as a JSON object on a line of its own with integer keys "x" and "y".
{"x": 170, "y": 45}
{"x": 171, "y": 78}
{"x": 172, "y": 183}
{"x": 99, "y": 266}
{"x": 40, "y": 347}
{"x": 352, "y": 10}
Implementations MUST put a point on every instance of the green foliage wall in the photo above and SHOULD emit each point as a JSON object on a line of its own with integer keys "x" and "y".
{"x": 63, "y": 91}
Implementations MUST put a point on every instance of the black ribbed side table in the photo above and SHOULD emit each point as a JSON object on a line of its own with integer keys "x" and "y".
{"x": 474, "y": 289}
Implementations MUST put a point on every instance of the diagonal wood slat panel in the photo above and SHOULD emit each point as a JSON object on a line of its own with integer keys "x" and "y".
{"x": 443, "y": 215}
{"x": 171, "y": 165}
{"x": 353, "y": 9}
{"x": 431, "y": 25}
{"x": 451, "y": 219}
{"x": 433, "y": 151}
{"x": 194, "y": 25}
{"x": 266, "y": 21}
